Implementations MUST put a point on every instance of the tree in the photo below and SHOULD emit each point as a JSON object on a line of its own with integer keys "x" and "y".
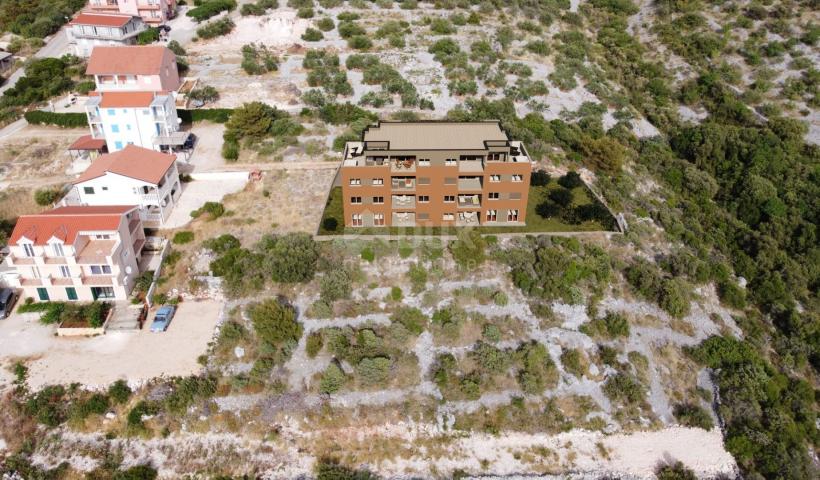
{"x": 571, "y": 180}
{"x": 204, "y": 94}
{"x": 275, "y": 322}
{"x": 252, "y": 121}
{"x": 46, "y": 196}
{"x": 290, "y": 258}
{"x": 332, "y": 379}
{"x": 561, "y": 196}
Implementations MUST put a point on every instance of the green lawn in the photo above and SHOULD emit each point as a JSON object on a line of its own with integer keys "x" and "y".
{"x": 535, "y": 223}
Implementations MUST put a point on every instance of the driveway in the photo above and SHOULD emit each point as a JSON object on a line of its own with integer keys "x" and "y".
{"x": 206, "y": 187}
{"x": 136, "y": 356}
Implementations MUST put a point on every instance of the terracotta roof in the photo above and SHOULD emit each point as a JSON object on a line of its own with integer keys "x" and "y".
{"x": 101, "y": 19}
{"x": 132, "y": 161}
{"x": 87, "y": 142}
{"x": 66, "y": 222}
{"x": 125, "y": 99}
{"x": 128, "y": 60}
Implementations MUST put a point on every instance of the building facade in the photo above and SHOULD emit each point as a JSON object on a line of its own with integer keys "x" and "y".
{"x": 132, "y": 176}
{"x": 150, "y": 68}
{"x": 145, "y": 119}
{"x": 151, "y": 11}
{"x": 76, "y": 253}
{"x": 430, "y": 174}
{"x": 89, "y": 30}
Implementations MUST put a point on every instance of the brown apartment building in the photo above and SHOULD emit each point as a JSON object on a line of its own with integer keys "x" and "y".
{"x": 420, "y": 174}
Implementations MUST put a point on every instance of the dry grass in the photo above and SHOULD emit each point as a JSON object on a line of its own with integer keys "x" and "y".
{"x": 18, "y": 201}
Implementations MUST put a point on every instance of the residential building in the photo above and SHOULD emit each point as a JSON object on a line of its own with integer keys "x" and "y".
{"x": 89, "y": 30}
{"x": 144, "y": 119}
{"x": 152, "y": 11}
{"x": 6, "y": 61}
{"x": 151, "y": 68}
{"x": 426, "y": 174}
{"x": 131, "y": 176}
{"x": 76, "y": 253}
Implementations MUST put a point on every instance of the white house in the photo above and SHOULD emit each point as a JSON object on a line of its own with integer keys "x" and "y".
{"x": 144, "y": 119}
{"x": 131, "y": 176}
{"x": 89, "y": 30}
{"x": 145, "y": 68}
{"x": 76, "y": 253}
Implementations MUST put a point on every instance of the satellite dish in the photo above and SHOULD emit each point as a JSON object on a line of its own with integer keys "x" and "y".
{"x": 128, "y": 269}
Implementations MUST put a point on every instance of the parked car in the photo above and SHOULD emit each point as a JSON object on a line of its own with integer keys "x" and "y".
{"x": 8, "y": 298}
{"x": 163, "y": 318}
{"x": 189, "y": 142}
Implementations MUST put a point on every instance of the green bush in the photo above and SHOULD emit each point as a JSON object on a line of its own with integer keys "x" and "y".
{"x": 258, "y": 59}
{"x": 64, "y": 120}
{"x": 275, "y": 322}
{"x": 613, "y": 325}
{"x": 148, "y": 36}
{"x": 175, "y": 47}
{"x": 468, "y": 249}
{"x": 359, "y": 42}
{"x": 411, "y": 318}
{"x": 204, "y": 94}
{"x": 677, "y": 470}
{"x": 222, "y": 243}
{"x": 623, "y": 387}
{"x": 119, "y": 392}
{"x": 374, "y": 371}
{"x": 183, "y": 237}
{"x": 213, "y": 209}
{"x": 691, "y": 415}
{"x": 210, "y": 8}
{"x": 570, "y": 180}
{"x": 47, "y": 196}
{"x": 315, "y": 342}
{"x": 572, "y": 361}
{"x": 143, "y": 408}
{"x": 325, "y": 24}
{"x": 230, "y": 150}
{"x": 417, "y": 274}
{"x": 368, "y": 254}
{"x": 335, "y": 285}
{"x": 396, "y": 294}
{"x": 333, "y": 378}
{"x": 214, "y": 29}
{"x": 312, "y": 35}
{"x": 216, "y": 115}
{"x": 137, "y": 472}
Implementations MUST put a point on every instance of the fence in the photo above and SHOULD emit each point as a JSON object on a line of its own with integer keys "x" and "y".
{"x": 166, "y": 247}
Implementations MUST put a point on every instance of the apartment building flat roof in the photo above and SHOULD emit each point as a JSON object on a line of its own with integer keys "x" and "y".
{"x": 435, "y": 135}
{"x": 126, "y": 99}
{"x": 128, "y": 60}
{"x": 133, "y": 162}
{"x": 65, "y": 223}
{"x": 101, "y": 19}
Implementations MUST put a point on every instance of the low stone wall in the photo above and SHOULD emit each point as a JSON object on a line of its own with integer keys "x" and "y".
{"x": 86, "y": 331}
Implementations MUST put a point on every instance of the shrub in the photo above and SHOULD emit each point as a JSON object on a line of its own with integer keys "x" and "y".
{"x": 418, "y": 277}
{"x": 204, "y": 94}
{"x": 368, "y": 254}
{"x": 611, "y": 326}
{"x": 148, "y": 36}
{"x": 63, "y": 120}
{"x": 674, "y": 297}
{"x": 675, "y": 471}
{"x": 572, "y": 361}
{"x": 561, "y": 196}
{"x": 258, "y": 59}
{"x": 314, "y": 344}
{"x": 623, "y": 387}
{"x": 96, "y": 404}
{"x": 230, "y": 150}
{"x": 500, "y": 298}
{"x": 468, "y": 249}
{"x": 141, "y": 409}
{"x": 335, "y": 285}
{"x": 396, "y": 294}
{"x": 359, "y": 42}
{"x": 290, "y": 258}
{"x": 538, "y": 370}
{"x": 183, "y": 237}
{"x": 213, "y": 209}
{"x": 137, "y": 472}
{"x": 325, "y": 24}
{"x": 47, "y": 196}
{"x": 374, "y": 371}
{"x": 215, "y": 29}
{"x": 312, "y": 35}
{"x": 348, "y": 29}
{"x": 540, "y": 178}
{"x": 411, "y": 318}
{"x": 333, "y": 378}
{"x": 275, "y": 322}
{"x": 570, "y": 180}
{"x": 222, "y": 243}
{"x": 175, "y": 47}
{"x": 442, "y": 26}
{"x": 691, "y": 415}
{"x": 119, "y": 392}
{"x": 491, "y": 332}
{"x": 209, "y": 8}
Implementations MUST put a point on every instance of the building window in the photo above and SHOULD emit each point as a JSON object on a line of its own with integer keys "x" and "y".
{"x": 100, "y": 269}
{"x": 378, "y": 219}
{"x": 512, "y": 215}
{"x": 448, "y": 217}
{"x": 515, "y": 196}
{"x": 449, "y": 198}
{"x": 64, "y": 271}
{"x": 493, "y": 195}
{"x": 449, "y": 180}
{"x": 492, "y": 215}
{"x": 378, "y": 181}
{"x": 357, "y": 220}
{"x": 517, "y": 178}
{"x": 378, "y": 200}
{"x": 105, "y": 189}
{"x": 424, "y": 180}
{"x": 102, "y": 237}
{"x": 112, "y": 112}
{"x": 102, "y": 292}
{"x": 423, "y": 216}
{"x": 29, "y": 249}
{"x": 450, "y": 162}
{"x": 424, "y": 198}
{"x": 424, "y": 162}
{"x": 71, "y": 293}
{"x": 356, "y": 181}
{"x": 495, "y": 178}
{"x": 42, "y": 294}
{"x": 88, "y": 190}
{"x": 356, "y": 200}
{"x": 118, "y": 145}
{"x": 58, "y": 249}
{"x": 115, "y": 128}
{"x": 495, "y": 157}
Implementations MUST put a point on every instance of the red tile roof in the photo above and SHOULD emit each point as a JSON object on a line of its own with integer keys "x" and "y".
{"x": 125, "y": 99}
{"x": 87, "y": 142}
{"x": 132, "y": 161}
{"x": 128, "y": 60}
{"x": 66, "y": 222}
{"x": 101, "y": 19}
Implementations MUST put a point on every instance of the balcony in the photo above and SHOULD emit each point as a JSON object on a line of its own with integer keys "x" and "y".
{"x": 134, "y": 223}
{"x": 403, "y": 183}
{"x": 469, "y": 201}
{"x": 468, "y": 219}
{"x": 96, "y": 252}
{"x": 56, "y": 260}
{"x": 404, "y": 202}
{"x": 404, "y": 219}
{"x": 31, "y": 282}
{"x": 138, "y": 244}
{"x": 63, "y": 281}
{"x": 15, "y": 260}
{"x": 403, "y": 164}
{"x": 471, "y": 166}
{"x": 97, "y": 280}
{"x": 470, "y": 184}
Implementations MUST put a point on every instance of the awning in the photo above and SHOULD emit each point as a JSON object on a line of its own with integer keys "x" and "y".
{"x": 87, "y": 142}
{"x": 174, "y": 138}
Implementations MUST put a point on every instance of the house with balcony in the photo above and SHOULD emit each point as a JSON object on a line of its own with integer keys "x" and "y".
{"x": 149, "y": 68}
{"x": 89, "y": 30}
{"x": 155, "y": 12}
{"x": 131, "y": 176}
{"x": 145, "y": 119}
{"x": 435, "y": 173}
{"x": 76, "y": 253}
